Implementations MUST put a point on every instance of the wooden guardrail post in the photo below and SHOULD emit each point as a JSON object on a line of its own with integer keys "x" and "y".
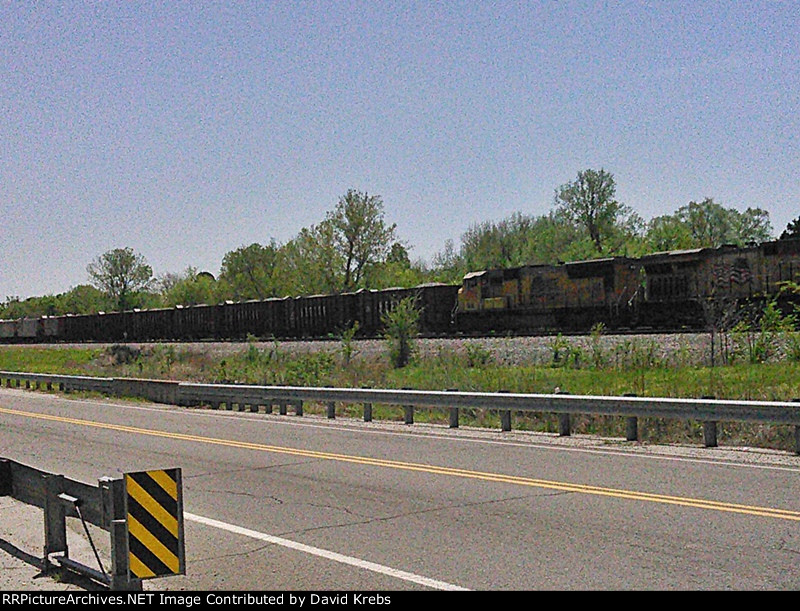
{"x": 796, "y": 433}
{"x": 709, "y": 429}
{"x": 631, "y": 424}
{"x": 453, "y": 412}
{"x": 298, "y": 407}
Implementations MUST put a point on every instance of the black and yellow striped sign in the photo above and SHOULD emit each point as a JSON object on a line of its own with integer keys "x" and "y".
{"x": 155, "y": 523}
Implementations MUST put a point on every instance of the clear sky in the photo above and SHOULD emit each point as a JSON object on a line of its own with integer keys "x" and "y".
{"x": 185, "y": 130}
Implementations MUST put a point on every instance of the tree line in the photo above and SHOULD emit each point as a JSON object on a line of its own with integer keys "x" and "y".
{"x": 354, "y": 247}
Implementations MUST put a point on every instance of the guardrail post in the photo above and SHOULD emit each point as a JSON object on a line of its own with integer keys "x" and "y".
{"x": 6, "y": 481}
{"x": 796, "y": 433}
{"x": 114, "y": 508}
{"x": 298, "y": 407}
{"x": 631, "y": 424}
{"x": 709, "y": 429}
{"x": 282, "y": 408}
{"x": 453, "y": 412}
{"x": 505, "y": 416}
{"x": 331, "y": 407}
{"x": 408, "y": 412}
{"x": 367, "y": 409}
{"x": 564, "y": 428}
{"x": 55, "y": 520}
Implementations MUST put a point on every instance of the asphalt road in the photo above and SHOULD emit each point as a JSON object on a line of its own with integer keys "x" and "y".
{"x": 285, "y": 503}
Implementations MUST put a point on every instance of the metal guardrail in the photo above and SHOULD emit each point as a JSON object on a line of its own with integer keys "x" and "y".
{"x": 707, "y": 410}
{"x": 60, "y": 498}
{"x": 142, "y": 512}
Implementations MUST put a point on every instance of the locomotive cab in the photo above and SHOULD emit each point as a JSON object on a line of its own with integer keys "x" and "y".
{"x": 494, "y": 289}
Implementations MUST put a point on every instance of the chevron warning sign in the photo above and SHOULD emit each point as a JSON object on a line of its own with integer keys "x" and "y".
{"x": 155, "y": 523}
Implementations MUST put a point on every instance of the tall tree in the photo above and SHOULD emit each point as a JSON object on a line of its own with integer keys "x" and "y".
{"x": 83, "y": 299}
{"x": 360, "y": 234}
{"x": 792, "y": 230}
{"x": 711, "y": 225}
{"x": 120, "y": 273}
{"x": 752, "y": 225}
{"x": 589, "y": 202}
{"x": 667, "y": 232}
{"x": 190, "y": 288}
{"x": 311, "y": 263}
{"x": 248, "y": 272}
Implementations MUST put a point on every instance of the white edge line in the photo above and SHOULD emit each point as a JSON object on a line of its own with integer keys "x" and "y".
{"x": 336, "y": 557}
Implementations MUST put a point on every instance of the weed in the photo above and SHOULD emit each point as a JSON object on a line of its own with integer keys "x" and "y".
{"x": 401, "y": 328}
{"x": 478, "y": 356}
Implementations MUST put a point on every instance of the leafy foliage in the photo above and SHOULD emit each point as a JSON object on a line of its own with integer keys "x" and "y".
{"x": 792, "y": 230}
{"x": 248, "y": 272}
{"x": 360, "y": 235}
{"x": 401, "y": 327}
{"x": 121, "y": 273}
{"x": 590, "y": 203}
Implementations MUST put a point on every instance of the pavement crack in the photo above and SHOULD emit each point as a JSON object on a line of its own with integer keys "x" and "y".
{"x": 238, "y": 554}
{"x": 408, "y": 513}
{"x": 248, "y": 469}
{"x": 238, "y": 493}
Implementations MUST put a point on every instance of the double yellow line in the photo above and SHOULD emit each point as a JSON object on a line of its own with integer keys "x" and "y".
{"x": 766, "y": 512}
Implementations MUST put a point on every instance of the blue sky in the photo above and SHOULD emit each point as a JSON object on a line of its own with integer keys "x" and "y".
{"x": 186, "y": 130}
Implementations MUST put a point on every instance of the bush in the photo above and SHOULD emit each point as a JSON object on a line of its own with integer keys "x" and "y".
{"x": 122, "y": 354}
{"x": 401, "y": 325}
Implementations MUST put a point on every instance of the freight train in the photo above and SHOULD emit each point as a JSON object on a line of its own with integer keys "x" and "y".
{"x": 665, "y": 291}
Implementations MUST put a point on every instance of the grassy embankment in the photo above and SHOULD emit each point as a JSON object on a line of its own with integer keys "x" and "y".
{"x": 593, "y": 372}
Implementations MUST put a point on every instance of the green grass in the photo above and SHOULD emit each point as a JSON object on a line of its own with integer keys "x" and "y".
{"x": 778, "y": 381}
{"x": 78, "y": 361}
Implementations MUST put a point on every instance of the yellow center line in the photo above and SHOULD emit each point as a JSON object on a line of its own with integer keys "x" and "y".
{"x": 769, "y": 512}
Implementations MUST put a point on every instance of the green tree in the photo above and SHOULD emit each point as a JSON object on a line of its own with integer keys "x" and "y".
{"x": 667, "y": 232}
{"x": 711, "y": 225}
{"x": 310, "y": 263}
{"x": 397, "y": 270}
{"x": 121, "y": 273}
{"x": 84, "y": 299}
{"x": 448, "y": 265}
{"x": 590, "y": 202}
{"x": 752, "y": 225}
{"x": 248, "y": 272}
{"x": 190, "y": 288}
{"x": 360, "y": 235}
{"x": 792, "y": 230}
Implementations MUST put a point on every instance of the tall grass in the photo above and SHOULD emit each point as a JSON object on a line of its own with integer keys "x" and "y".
{"x": 631, "y": 367}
